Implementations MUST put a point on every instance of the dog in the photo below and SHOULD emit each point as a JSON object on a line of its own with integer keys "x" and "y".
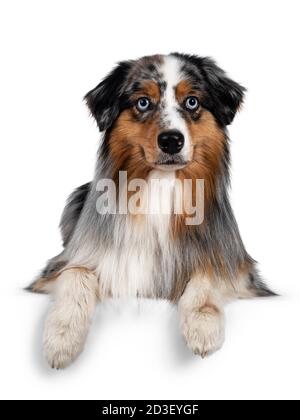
{"x": 162, "y": 117}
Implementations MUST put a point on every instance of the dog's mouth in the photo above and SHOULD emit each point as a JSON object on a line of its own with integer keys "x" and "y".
{"x": 171, "y": 166}
{"x": 167, "y": 162}
{"x": 170, "y": 162}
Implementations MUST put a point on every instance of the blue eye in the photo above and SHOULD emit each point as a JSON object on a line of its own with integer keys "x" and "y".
{"x": 191, "y": 103}
{"x": 143, "y": 104}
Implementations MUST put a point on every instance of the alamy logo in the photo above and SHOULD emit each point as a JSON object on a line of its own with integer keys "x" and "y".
{"x": 156, "y": 196}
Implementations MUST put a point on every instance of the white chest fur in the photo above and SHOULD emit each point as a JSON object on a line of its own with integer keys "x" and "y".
{"x": 141, "y": 247}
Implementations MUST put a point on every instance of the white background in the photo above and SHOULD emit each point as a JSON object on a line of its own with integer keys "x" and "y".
{"x": 52, "y": 53}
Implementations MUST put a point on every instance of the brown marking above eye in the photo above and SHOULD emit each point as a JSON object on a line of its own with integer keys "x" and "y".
{"x": 149, "y": 89}
{"x": 185, "y": 89}
{"x": 131, "y": 144}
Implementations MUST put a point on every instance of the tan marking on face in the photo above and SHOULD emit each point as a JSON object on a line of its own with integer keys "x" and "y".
{"x": 208, "y": 142}
{"x": 185, "y": 89}
{"x": 137, "y": 138}
{"x": 150, "y": 89}
{"x": 133, "y": 145}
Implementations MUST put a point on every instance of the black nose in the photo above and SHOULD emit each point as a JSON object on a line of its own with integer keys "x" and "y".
{"x": 171, "y": 141}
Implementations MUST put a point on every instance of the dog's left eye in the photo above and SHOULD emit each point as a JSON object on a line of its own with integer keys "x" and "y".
{"x": 143, "y": 104}
{"x": 191, "y": 103}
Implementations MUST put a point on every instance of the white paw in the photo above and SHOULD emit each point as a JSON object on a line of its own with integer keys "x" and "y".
{"x": 62, "y": 342}
{"x": 204, "y": 333}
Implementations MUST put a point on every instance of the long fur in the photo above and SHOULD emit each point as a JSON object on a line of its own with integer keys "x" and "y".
{"x": 157, "y": 256}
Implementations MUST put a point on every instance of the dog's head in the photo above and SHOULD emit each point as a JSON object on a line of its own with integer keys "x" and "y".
{"x": 165, "y": 111}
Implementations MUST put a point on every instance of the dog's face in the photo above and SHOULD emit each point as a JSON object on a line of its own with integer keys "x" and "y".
{"x": 165, "y": 112}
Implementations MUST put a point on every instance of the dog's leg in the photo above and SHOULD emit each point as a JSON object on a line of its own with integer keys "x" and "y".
{"x": 202, "y": 317}
{"x": 67, "y": 324}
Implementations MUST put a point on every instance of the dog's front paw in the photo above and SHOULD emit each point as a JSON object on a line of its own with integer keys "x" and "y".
{"x": 63, "y": 342}
{"x": 203, "y": 331}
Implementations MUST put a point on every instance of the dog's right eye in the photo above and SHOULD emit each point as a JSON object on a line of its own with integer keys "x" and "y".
{"x": 143, "y": 104}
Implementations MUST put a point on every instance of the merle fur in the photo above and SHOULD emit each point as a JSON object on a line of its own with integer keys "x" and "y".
{"x": 220, "y": 242}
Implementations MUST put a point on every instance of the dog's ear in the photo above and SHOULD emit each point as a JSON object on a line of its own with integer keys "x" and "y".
{"x": 104, "y": 101}
{"x": 225, "y": 96}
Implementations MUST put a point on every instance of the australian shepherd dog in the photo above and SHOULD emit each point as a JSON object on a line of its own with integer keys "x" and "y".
{"x": 156, "y": 221}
